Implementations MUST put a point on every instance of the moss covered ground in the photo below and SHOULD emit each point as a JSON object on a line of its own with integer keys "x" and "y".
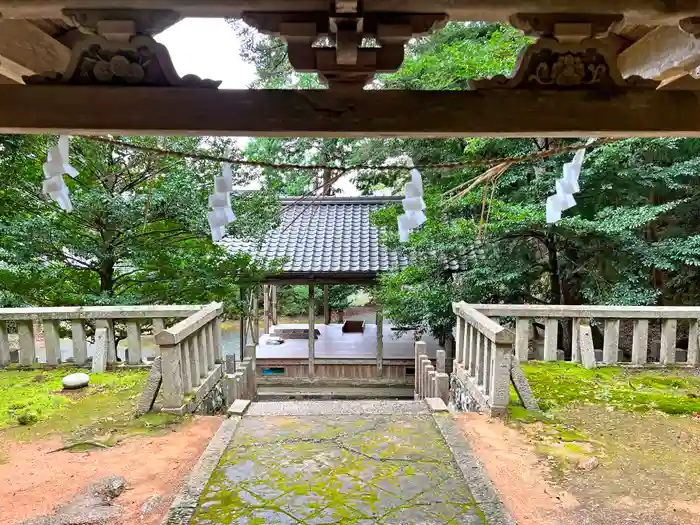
{"x": 33, "y": 405}
{"x": 641, "y": 426}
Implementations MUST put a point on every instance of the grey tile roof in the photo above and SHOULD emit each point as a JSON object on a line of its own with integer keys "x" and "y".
{"x": 328, "y": 235}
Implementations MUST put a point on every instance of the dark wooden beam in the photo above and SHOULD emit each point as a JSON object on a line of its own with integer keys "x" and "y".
{"x": 658, "y": 11}
{"x": 506, "y": 113}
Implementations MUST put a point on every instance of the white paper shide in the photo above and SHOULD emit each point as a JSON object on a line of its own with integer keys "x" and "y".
{"x": 413, "y": 206}
{"x": 55, "y": 167}
{"x": 221, "y": 213}
{"x": 565, "y": 188}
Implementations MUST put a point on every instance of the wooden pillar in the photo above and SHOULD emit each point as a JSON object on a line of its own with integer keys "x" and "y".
{"x": 243, "y": 339}
{"x": 312, "y": 329}
{"x": 326, "y": 307}
{"x": 255, "y": 326}
{"x": 274, "y": 304}
{"x": 380, "y": 342}
{"x": 266, "y": 309}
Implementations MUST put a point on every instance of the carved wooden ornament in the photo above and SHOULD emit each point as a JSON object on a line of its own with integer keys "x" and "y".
{"x": 550, "y": 64}
{"x": 140, "y": 62}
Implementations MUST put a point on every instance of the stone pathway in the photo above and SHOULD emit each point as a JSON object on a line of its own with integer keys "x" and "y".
{"x": 332, "y": 462}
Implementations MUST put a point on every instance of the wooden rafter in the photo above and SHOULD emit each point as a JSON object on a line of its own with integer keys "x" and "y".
{"x": 26, "y": 50}
{"x": 665, "y": 52}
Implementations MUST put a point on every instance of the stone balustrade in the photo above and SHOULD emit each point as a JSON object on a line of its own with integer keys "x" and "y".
{"x": 430, "y": 381}
{"x": 576, "y": 318}
{"x": 482, "y": 362}
{"x": 26, "y": 319}
{"x": 191, "y": 356}
{"x": 240, "y": 383}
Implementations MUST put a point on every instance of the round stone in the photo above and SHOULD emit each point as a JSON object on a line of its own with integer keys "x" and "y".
{"x": 73, "y": 381}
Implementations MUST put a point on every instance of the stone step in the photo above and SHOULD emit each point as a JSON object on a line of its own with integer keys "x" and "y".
{"x": 281, "y": 393}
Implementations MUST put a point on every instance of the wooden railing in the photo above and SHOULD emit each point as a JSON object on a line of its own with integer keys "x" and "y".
{"x": 482, "y": 362}
{"x": 191, "y": 356}
{"x": 430, "y": 381}
{"x": 25, "y": 319}
{"x": 609, "y": 318}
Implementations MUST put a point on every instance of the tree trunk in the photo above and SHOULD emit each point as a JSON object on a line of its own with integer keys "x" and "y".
{"x": 107, "y": 275}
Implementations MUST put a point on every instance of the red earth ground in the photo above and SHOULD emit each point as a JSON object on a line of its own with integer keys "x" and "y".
{"x": 33, "y": 480}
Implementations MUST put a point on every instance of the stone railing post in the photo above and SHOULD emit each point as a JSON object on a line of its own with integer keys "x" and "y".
{"x": 442, "y": 381}
{"x": 500, "y": 372}
{"x": 172, "y": 386}
{"x": 419, "y": 349}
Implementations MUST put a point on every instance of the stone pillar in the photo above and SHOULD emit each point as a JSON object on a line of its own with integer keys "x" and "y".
{"x": 213, "y": 356}
{"x": 440, "y": 361}
{"x": 551, "y": 327}
{"x": 108, "y": 325}
{"x": 576, "y": 340}
{"x": 4, "y": 345}
{"x": 27, "y": 345}
{"x": 172, "y": 387}
{"x": 500, "y": 373}
{"x": 611, "y": 339}
{"x": 79, "y": 342}
{"x": 312, "y": 330}
{"x": 639, "y": 341}
{"x": 380, "y": 342}
{"x": 158, "y": 325}
{"x": 419, "y": 350}
{"x": 459, "y": 341}
{"x": 326, "y": 305}
{"x": 443, "y": 387}
{"x": 52, "y": 342}
{"x": 522, "y": 338}
{"x": 204, "y": 357}
{"x": 693, "y": 343}
{"x": 668, "y": 341}
{"x": 133, "y": 339}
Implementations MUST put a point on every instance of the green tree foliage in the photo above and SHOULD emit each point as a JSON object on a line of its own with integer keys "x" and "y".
{"x": 138, "y": 232}
{"x": 632, "y": 238}
{"x": 294, "y": 300}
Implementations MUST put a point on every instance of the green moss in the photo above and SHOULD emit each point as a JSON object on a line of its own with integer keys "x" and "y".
{"x": 561, "y": 384}
{"x": 103, "y": 410}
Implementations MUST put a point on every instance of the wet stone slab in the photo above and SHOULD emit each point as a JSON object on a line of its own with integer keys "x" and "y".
{"x": 343, "y": 469}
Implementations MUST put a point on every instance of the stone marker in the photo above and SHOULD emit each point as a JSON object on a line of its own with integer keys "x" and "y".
{"x": 99, "y": 361}
{"x": 522, "y": 386}
{"x": 150, "y": 392}
{"x": 586, "y": 345}
{"x": 75, "y": 381}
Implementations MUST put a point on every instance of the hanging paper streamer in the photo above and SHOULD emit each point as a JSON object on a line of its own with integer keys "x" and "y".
{"x": 565, "y": 187}
{"x": 413, "y": 205}
{"x": 55, "y": 167}
{"x": 221, "y": 213}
